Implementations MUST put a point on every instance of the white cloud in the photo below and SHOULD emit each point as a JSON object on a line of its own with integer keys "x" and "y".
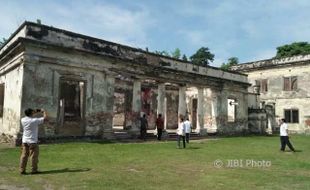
{"x": 98, "y": 19}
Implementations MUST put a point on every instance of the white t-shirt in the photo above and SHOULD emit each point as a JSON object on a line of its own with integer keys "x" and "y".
{"x": 283, "y": 128}
{"x": 188, "y": 126}
{"x": 181, "y": 129}
{"x": 30, "y": 127}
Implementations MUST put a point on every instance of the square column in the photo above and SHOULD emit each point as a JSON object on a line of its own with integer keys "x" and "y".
{"x": 108, "y": 123}
{"x": 182, "y": 102}
{"x": 136, "y": 108}
{"x": 200, "y": 112}
{"x": 161, "y": 102}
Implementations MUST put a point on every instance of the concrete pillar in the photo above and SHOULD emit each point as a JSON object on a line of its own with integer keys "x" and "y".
{"x": 161, "y": 101}
{"x": 214, "y": 114}
{"x": 182, "y": 102}
{"x": 108, "y": 123}
{"x": 200, "y": 112}
{"x": 222, "y": 112}
{"x": 136, "y": 107}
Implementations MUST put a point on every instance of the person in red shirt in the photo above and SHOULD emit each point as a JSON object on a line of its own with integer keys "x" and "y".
{"x": 160, "y": 126}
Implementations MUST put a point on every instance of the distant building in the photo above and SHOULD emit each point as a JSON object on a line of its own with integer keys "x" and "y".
{"x": 284, "y": 87}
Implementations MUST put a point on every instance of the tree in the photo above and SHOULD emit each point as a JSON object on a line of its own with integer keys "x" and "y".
{"x": 202, "y": 56}
{"x": 2, "y": 42}
{"x": 296, "y": 48}
{"x": 184, "y": 58}
{"x": 165, "y": 53}
{"x": 231, "y": 61}
{"x": 176, "y": 53}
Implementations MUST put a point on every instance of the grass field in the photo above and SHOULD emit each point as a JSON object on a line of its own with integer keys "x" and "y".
{"x": 204, "y": 164}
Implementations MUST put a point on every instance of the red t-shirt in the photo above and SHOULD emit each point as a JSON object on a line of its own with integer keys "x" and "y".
{"x": 160, "y": 123}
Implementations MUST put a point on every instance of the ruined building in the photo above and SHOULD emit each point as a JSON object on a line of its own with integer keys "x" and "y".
{"x": 283, "y": 85}
{"x": 90, "y": 86}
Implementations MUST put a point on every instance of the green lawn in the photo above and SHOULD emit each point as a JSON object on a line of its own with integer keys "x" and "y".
{"x": 154, "y": 165}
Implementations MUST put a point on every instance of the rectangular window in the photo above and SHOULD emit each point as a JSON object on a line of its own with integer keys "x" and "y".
{"x": 231, "y": 110}
{"x": 290, "y": 83}
{"x": 291, "y": 115}
{"x": 263, "y": 84}
{"x": 1, "y": 99}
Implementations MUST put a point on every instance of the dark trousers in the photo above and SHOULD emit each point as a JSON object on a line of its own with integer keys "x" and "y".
{"x": 143, "y": 133}
{"x": 285, "y": 141}
{"x": 183, "y": 139}
{"x": 31, "y": 150}
{"x": 159, "y": 133}
{"x": 187, "y": 137}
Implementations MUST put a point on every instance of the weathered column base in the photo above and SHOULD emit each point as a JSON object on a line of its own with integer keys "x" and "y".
{"x": 134, "y": 132}
{"x": 108, "y": 134}
{"x": 202, "y": 132}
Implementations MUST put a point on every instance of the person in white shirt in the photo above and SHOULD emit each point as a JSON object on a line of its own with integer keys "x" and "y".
{"x": 30, "y": 146}
{"x": 181, "y": 133}
{"x": 284, "y": 138}
{"x": 188, "y": 129}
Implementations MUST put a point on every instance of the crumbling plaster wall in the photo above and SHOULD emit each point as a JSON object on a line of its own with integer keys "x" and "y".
{"x": 240, "y": 125}
{"x": 298, "y": 99}
{"x": 43, "y": 70}
{"x": 10, "y": 122}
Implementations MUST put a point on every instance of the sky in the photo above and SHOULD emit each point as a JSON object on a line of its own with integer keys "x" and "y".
{"x": 250, "y": 30}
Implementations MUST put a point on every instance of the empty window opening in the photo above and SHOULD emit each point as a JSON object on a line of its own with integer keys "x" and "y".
{"x": 119, "y": 110}
{"x": 71, "y": 99}
{"x": 231, "y": 110}
{"x": 291, "y": 115}
{"x": 290, "y": 83}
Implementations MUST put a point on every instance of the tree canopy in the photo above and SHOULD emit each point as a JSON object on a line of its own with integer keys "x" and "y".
{"x": 176, "y": 53}
{"x": 296, "y": 48}
{"x": 203, "y": 56}
{"x": 230, "y": 62}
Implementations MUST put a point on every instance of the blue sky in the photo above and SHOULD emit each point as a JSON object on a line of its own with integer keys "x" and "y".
{"x": 247, "y": 29}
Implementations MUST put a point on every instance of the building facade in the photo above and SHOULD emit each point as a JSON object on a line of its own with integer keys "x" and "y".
{"x": 90, "y": 86}
{"x": 283, "y": 85}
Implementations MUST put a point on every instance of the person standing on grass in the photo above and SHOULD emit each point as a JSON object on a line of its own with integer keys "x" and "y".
{"x": 181, "y": 133}
{"x": 188, "y": 129}
{"x": 284, "y": 138}
{"x": 160, "y": 126}
{"x": 144, "y": 126}
{"x": 30, "y": 124}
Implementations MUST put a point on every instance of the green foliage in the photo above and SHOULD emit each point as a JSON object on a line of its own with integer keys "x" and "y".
{"x": 176, "y": 53}
{"x": 164, "y": 53}
{"x": 231, "y": 61}
{"x": 296, "y": 48}
{"x": 184, "y": 58}
{"x": 203, "y": 56}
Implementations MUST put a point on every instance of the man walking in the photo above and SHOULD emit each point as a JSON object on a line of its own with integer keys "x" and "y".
{"x": 30, "y": 145}
{"x": 181, "y": 133}
{"x": 284, "y": 138}
{"x": 160, "y": 126}
{"x": 188, "y": 129}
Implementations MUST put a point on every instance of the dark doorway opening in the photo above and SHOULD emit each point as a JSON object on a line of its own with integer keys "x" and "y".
{"x": 71, "y": 108}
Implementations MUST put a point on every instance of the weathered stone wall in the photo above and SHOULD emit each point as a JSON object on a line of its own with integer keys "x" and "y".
{"x": 41, "y": 90}
{"x": 10, "y": 122}
{"x": 172, "y": 109}
{"x": 240, "y": 125}
{"x": 298, "y": 99}
{"x": 257, "y": 121}
{"x": 52, "y": 55}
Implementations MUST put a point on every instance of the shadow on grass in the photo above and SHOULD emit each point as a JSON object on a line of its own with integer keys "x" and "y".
{"x": 193, "y": 147}
{"x": 65, "y": 170}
